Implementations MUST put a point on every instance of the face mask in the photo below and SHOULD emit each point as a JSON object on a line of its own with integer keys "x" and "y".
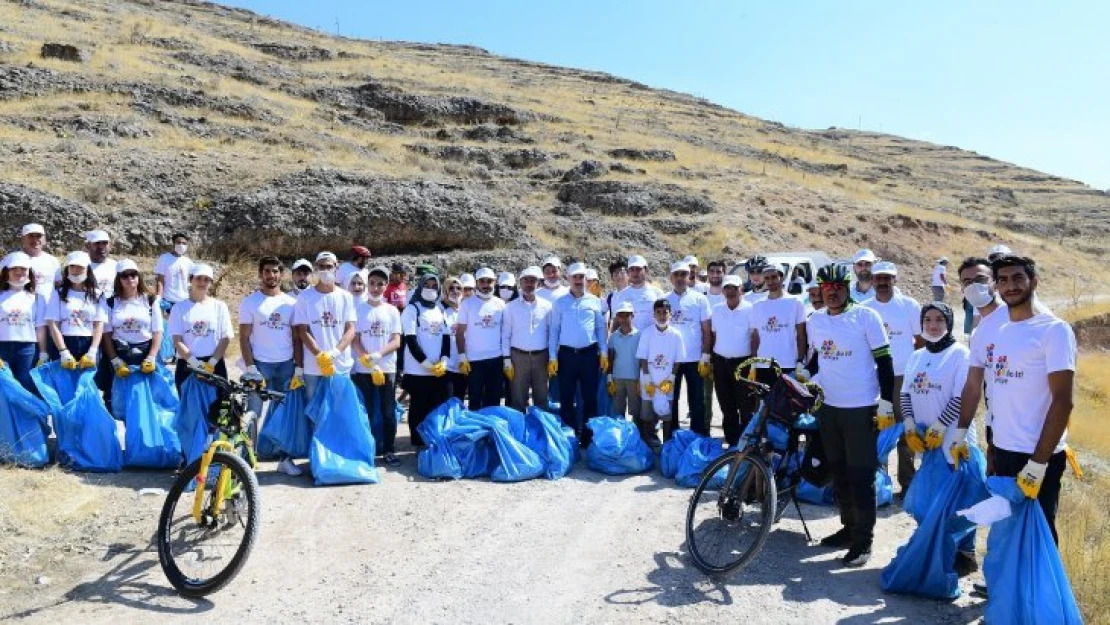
{"x": 327, "y": 276}
{"x": 505, "y": 293}
{"x": 551, "y": 284}
{"x": 18, "y": 284}
{"x": 79, "y": 278}
{"x": 978, "y": 295}
{"x": 933, "y": 338}
{"x": 180, "y": 249}
{"x": 376, "y": 299}
{"x": 429, "y": 295}
{"x": 483, "y": 294}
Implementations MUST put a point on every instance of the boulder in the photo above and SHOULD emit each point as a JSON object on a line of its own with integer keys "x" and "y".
{"x": 611, "y": 197}
{"x": 65, "y": 221}
{"x": 586, "y": 170}
{"x": 64, "y": 51}
{"x": 411, "y": 109}
{"x": 633, "y": 154}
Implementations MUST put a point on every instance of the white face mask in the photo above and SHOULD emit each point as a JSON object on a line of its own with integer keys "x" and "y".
{"x": 483, "y": 295}
{"x": 505, "y": 293}
{"x": 327, "y": 276}
{"x": 376, "y": 299}
{"x": 429, "y": 295}
{"x": 933, "y": 338}
{"x": 180, "y": 249}
{"x": 551, "y": 284}
{"x": 18, "y": 284}
{"x": 79, "y": 278}
{"x": 978, "y": 295}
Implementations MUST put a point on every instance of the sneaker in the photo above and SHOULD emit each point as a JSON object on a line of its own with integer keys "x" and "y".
{"x": 857, "y": 556}
{"x": 391, "y": 460}
{"x": 965, "y": 564}
{"x": 287, "y": 467}
{"x": 842, "y": 539}
{"x": 979, "y": 590}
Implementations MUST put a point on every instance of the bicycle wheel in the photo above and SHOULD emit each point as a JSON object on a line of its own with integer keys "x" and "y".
{"x": 731, "y": 513}
{"x": 201, "y": 558}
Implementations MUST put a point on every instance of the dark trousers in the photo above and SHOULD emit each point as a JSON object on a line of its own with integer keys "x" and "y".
{"x": 695, "y": 400}
{"x": 850, "y": 436}
{"x": 579, "y": 373}
{"x": 1010, "y": 463}
{"x": 426, "y": 393}
{"x": 733, "y": 398}
{"x": 20, "y": 358}
{"x": 486, "y": 383}
{"x": 381, "y": 410}
{"x": 457, "y": 383}
{"x": 182, "y": 372}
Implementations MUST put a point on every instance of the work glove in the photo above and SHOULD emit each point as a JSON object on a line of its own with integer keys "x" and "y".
{"x": 1031, "y": 478}
{"x": 464, "y": 365}
{"x": 704, "y": 368}
{"x": 507, "y": 367}
{"x": 326, "y": 362}
{"x": 604, "y": 361}
{"x": 377, "y": 376}
{"x": 210, "y": 364}
{"x": 3, "y": 365}
{"x": 366, "y": 361}
{"x": 375, "y": 357}
{"x": 959, "y": 450}
{"x": 440, "y": 368}
{"x": 43, "y": 359}
{"x": 649, "y": 389}
{"x": 148, "y": 366}
{"x": 934, "y": 436}
{"x": 195, "y": 363}
{"x": 552, "y": 368}
{"x": 69, "y": 363}
{"x": 120, "y": 367}
{"x": 252, "y": 374}
{"x": 611, "y": 386}
{"x": 912, "y": 438}
{"x": 884, "y": 417}
{"x": 87, "y": 362}
{"x": 298, "y": 379}
{"x": 801, "y": 374}
{"x": 666, "y": 386}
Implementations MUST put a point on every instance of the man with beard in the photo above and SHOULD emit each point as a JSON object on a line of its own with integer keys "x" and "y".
{"x": 732, "y": 340}
{"x": 301, "y": 274}
{"x": 45, "y": 267}
{"x": 524, "y": 330}
{"x": 695, "y": 267}
{"x": 690, "y": 317}
{"x": 861, "y": 265}
{"x": 639, "y": 293}
{"x": 552, "y": 287}
{"x": 478, "y": 336}
{"x": 779, "y": 327}
{"x": 714, "y": 289}
{"x": 99, "y": 245}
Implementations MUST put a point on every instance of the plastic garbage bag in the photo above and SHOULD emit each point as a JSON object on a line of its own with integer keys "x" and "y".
{"x": 436, "y": 461}
{"x": 616, "y": 447}
{"x": 191, "y": 423}
{"x": 22, "y": 423}
{"x": 147, "y": 404}
{"x": 166, "y": 352}
{"x": 926, "y": 565}
{"x": 934, "y": 475}
{"x": 515, "y": 461}
{"x": 817, "y": 495}
{"x": 671, "y": 455}
{"x": 699, "y": 454}
{"x": 342, "y": 448}
{"x": 543, "y": 434}
{"x": 86, "y": 431}
{"x": 287, "y": 429}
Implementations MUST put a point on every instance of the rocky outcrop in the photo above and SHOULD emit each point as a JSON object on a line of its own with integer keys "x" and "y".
{"x": 633, "y": 154}
{"x": 406, "y": 108}
{"x": 586, "y": 170}
{"x": 610, "y": 197}
{"x": 64, "y": 51}
{"x": 493, "y": 159}
{"x": 65, "y": 221}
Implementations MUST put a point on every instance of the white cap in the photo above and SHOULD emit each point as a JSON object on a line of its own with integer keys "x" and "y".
{"x": 202, "y": 270}
{"x": 506, "y": 278}
{"x": 77, "y": 258}
{"x": 17, "y": 259}
{"x": 943, "y": 260}
{"x": 865, "y": 255}
{"x": 553, "y": 260}
{"x": 302, "y": 262}
{"x": 636, "y": 261}
{"x": 327, "y": 256}
{"x": 999, "y": 249}
{"x": 885, "y": 268}
{"x": 680, "y": 266}
{"x": 532, "y": 271}
{"x": 97, "y": 236}
{"x": 32, "y": 229}
{"x": 467, "y": 281}
{"x": 484, "y": 273}
{"x": 126, "y": 265}
{"x": 625, "y": 307}
{"x": 576, "y": 269}
{"x": 591, "y": 274}
{"x": 731, "y": 280}
{"x": 813, "y": 285}
{"x": 692, "y": 261}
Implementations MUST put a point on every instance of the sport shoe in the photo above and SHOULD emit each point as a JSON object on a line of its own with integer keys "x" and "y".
{"x": 965, "y": 564}
{"x": 391, "y": 460}
{"x": 287, "y": 467}
{"x": 857, "y": 556}
{"x": 842, "y": 539}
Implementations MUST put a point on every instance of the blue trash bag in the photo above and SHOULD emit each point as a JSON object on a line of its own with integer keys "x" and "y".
{"x": 1024, "y": 573}
{"x": 470, "y": 440}
{"x": 436, "y": 461}
{"x": 23, "y": 420}
{"x": 543, "y": 434}
{"x": 926, "y": 565}
{"x": 86, "y": 431}
{"x": 927, "y": 482}
{"x": 699, "y": 454}
{"x": 888, "y": 440}
{"x": 515, "y": 461}
{"x": 287, "y": 429}
{"x": 191, "y": 423}
{"x": 616, "y": 447}
{"x": 820, "y": 496}
{"x": 147, "y": 404}
{"x": 166, "y": 352}
{"x": 342, "y": 448}
{"x": 671, "y": 455}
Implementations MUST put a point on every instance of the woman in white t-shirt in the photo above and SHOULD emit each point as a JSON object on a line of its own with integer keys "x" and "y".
{"x": 427, "y": 348}
{"x": 201, "y": 328}
{"x": 76, "y": 316}
{"x": 22, "y": 319}
{"x": 133, "y": 333}
{"x": 452, "y": 297}
{"x": 377, "y": 339}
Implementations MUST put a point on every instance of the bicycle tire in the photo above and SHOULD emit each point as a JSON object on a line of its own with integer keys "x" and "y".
{"x": 250, "y": 491}
{"x": 758, "y": 470}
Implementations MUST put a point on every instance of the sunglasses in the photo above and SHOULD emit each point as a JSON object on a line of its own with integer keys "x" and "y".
{"x": 833, "y": 286}
{"x": 129, "y": 275}
{"x": 455, "y": 288}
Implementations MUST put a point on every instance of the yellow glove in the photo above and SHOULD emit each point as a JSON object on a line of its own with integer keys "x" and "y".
{"x": 120, "y": 367}
{"x": 704, "y": 368}
{"x": 326, "y": 363}
{"x": 604, "y": 363}
{"x": 934, "y": 436}
{"x": 3, "y": 365}
{"x": 1073, "y": 460}
{"x": 914, "y": 442}
{"x": 210, "y": 365}
{"x": 366, "y": 362}
{"x": 87, "y": 362}
{"x": 439, "y": 369}
{"x": 147, "y": 366}
{"x": 1031, "y": 478}
{"x": 884, "y": 418}
{"x": 464, "y": 366}
{"x": 69, "y": 363}
{"x": 298, "y": 379}
{"x": 552, "y": 368}
{"x": 666, "y": 386}
{"x": 611, "y": 386}
{"x": 959, "y": 449}
{"x": 507, "y": 367}
{"x": 649, "y": 389}
{"x": 377, "y": 376}
{"x": 801, "y": 374}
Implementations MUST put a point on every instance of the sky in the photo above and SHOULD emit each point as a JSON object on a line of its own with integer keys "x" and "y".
{"x": 1021, "y": 81}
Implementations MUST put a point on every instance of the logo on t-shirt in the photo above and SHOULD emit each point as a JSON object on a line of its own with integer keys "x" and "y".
{"x": 274, "y": 321}
{"x": 1002, "y": 372}
{"x": 17, "y": 318}
{"x": 773, "y": 325}
{"x": 660, "y": 362}
{"x": 435, "y": 328}
{"x": 830, "y": 351}
{"x": 78, "y": 318}
{"x": 921, "y": 384}
{"x": 201, "y": 328}
{"x": 328, "y": 320}
{"x": 486, "y": 321}
{"x": 131, "y": 324}
{"x": 376, "y": 328}
{"x": 678, "y": 317}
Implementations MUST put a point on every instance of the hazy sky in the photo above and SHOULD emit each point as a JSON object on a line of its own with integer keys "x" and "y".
{"x": 1019, "y": 81}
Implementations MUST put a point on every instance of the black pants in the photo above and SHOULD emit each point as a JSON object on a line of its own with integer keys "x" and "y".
{"x": 733, "y": 397}
{"x": 1010, "y": 463}
{"x": 132, "y": 355}
{"x": 687, "y": 375}
{"x": 850, "y": 437}
{"x": 381, "y": 403}
{"x": 426, "y": 393}
{"x": 486, "y": 385}
{"x": 182, "y": 372}
{"x": 579, "y": 374}
{"x": 457, "y": 383}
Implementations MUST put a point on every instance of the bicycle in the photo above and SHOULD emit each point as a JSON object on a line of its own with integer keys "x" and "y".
{"x": 745, "y": 491}
{"x": 204, "y": 546}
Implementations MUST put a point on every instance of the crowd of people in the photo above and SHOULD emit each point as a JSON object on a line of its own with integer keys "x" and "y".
{"x": 552, "y": 333}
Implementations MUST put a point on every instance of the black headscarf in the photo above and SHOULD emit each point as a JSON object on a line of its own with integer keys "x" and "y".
{"x": 949, "y": 322}
{"x": 418, "y": 295}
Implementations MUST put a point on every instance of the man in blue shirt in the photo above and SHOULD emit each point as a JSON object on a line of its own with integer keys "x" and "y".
{"x": 577, "y": 351}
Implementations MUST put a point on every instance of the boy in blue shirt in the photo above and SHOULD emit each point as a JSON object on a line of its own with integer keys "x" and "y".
{"x": 624, "y": 380}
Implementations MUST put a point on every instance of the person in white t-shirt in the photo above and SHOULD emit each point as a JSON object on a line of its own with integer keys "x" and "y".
{"x": 862, "y": 289}
{"x": 22, "y": 319}
{"x": 639, "y": 293}
{"x": 427, "y": 349}
{"x": 478, "y": 334}
{"x": 690, "y": 317}
{"x": 452, "y": 299}
{"x": 715, "y": 287}
{"x": 44, "y": 265}
{"x": 1029, "y": 366}
{"x": 324, "y": 318}
{"x": 133, "y": 330}
{"x": 76, "y": 316}
{"x": 660, "y": 348}
{"x": 755, "y": 290}
{"x": 524, "y": 333}
{"x": 940, "y": 279}
{"x": 732, "y": 330}
{"x": 779, "y": 324}
{"x": 377, "y": 339}
{"x": 466, "y": 281}
{"x": 300, "y": 276}
{"x": 172, "y": 273}
{"x": 553, "y": 286}
{"x": 360, "y": 256}
{"x": 978, "y": 289}
{"x": 618, "y": 280}
{"x": 692, "y": 280}
{"x": 201, "y": 328}
{"x": 99, "y": 246}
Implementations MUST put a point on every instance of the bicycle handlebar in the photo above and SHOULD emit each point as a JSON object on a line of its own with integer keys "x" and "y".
{"x": 234, "y": 387}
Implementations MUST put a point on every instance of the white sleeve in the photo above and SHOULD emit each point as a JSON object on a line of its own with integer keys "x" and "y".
{"x": 38, "y": 310}
{"x": 101, "y": 314}
{"x": 227, "y": 330}
{"x": 53, "y": 308}
{"x": 915, "y": 317}
{"x": 1059, "y": 347}
{"x": 157, "y": 324}
{"x": 176, "y": 328}
{"x": 799, "y": 312}
{"x": 642, "y": 347}
{"x": 160, "y": 267}
{"x": 409, "y": 321}
{"x": 300, "y": 311}
{"x": 246, "y": 311}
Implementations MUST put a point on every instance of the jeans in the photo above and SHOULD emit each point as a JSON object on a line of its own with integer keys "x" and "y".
{"x": 579, "y": 371}
{"x": 20, "y": 358}
{"x": 381, "y": 405}
{"x": 77, "y": 346}
{"x": 694, "y": 398}
{"x": 938, "y": 293}
{"x": 277, "y": 376}
{"x": 1010, "y": 463}
{"x": 311, "y": 383}
{"x": 486, "y": 383}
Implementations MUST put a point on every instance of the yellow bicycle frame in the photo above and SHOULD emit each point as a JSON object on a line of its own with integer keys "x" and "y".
{"x": 221, "y": 482}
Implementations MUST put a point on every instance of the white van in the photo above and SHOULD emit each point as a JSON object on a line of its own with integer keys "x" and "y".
{"x": 794, "y": 264}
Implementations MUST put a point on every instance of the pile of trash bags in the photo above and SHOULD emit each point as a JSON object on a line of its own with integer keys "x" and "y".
{"x": 616, "y": 447}
{"x": 86, "y": 431}
{"x": 497, "y": 442}
{"x": 685, "y": 457}
{"x": 884, "y": 485}
{"x": 23, "y": 424}
{"x": 147, "y": 404}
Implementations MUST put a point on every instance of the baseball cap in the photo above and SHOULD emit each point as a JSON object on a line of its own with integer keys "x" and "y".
{"x": 17, "y": 259}
{"x": 506, "y": 278}
{"x": 637, "y": 261}
{"x": 731, "y": 280}
{"x": 943, "y": 260}
{"x": 204, "y": 270}
{"x": 381, "y": 271}
{"x": 77, "y": 258}
{"x": 865, "y": 255}
{"x": 812, "y": 285}
{"x": 97, "y": 236}
{"x": 775, "y": 267}
{"x": 625, "y": 307}
{"x": 886, "y": 268}
{"x": 302, "y": 263}
{"x": 326, "y": 256}
{"x": 532, "y": 271}
{"x": 484, "y": 273}
{"x": 680, "y": 266}
{"x": 999, "y": 250}
{"x": 126, "y": 265}
{"x": 591, "y": 274}
{"x": 691, "y": 260}
{"x": 553, "y": 260}
{"x": 32, "y": 229}
{"x": 576, "y": 269}
{"x": 360, "y": 251}
{"x": 467, "y": 281}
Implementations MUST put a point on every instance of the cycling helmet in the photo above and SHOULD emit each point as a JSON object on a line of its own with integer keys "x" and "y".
{"x": 755, "y": 264}
{"x": 831, "y": 274}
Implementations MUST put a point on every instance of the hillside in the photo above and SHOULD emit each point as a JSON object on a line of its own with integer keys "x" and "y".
{"x": 255, "y": 135}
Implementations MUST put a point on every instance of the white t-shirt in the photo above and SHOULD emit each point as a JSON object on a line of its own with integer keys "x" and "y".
{"x": 776, "y": 322}
{"x": 45, "y": 268}
{"x": 701, "y": 287}
{"x": 715, "y": 298}
{"x": 271, "y": 322}
{"x": 482, "y": 319}
{"x": 202, "y": 325}
{"x": 687, "y": 312}
{"x": 451, "y": 319}
{"x": 984, "y": 334}
{"x": 939, "y": 273}
{"x": 661, "y": 350}
{"x": 732, "y": 329}
{"x": 860, "y": 296}
{"x": 327, "y": 316}
{"x": 375, "y": 328}
{"x": 902, "y": 321}
{"x": 524, "y": 325}
{"x": 21, "y": 313}
{"x": 1016, "y": 365}
{"x": 642, "y": 300}
{"x": 131, "y": 321}
{"x": 175, "y": 272}
{"x": 754, "y": 297}
{"x": 77, "y": 314}
{"x": 931, "y": 381}
{"x": 428, "y": 325}
{"x": 552, "y": 294}
{"x": 844, "y": 345}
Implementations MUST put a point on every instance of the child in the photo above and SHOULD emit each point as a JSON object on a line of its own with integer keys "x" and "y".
{"x": 658, "y": 352}
{"x": 624, "y": 380}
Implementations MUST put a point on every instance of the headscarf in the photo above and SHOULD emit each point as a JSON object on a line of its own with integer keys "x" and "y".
{"x": 949, "y": 321}
{"x": 418, "y": 292}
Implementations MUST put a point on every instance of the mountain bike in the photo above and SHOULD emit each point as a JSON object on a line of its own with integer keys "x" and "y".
{"x": 745, "y": 491}
{"x": 209, "y": 522}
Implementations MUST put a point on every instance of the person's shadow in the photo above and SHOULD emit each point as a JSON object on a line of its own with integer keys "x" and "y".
{"x": 674, "y": 583}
